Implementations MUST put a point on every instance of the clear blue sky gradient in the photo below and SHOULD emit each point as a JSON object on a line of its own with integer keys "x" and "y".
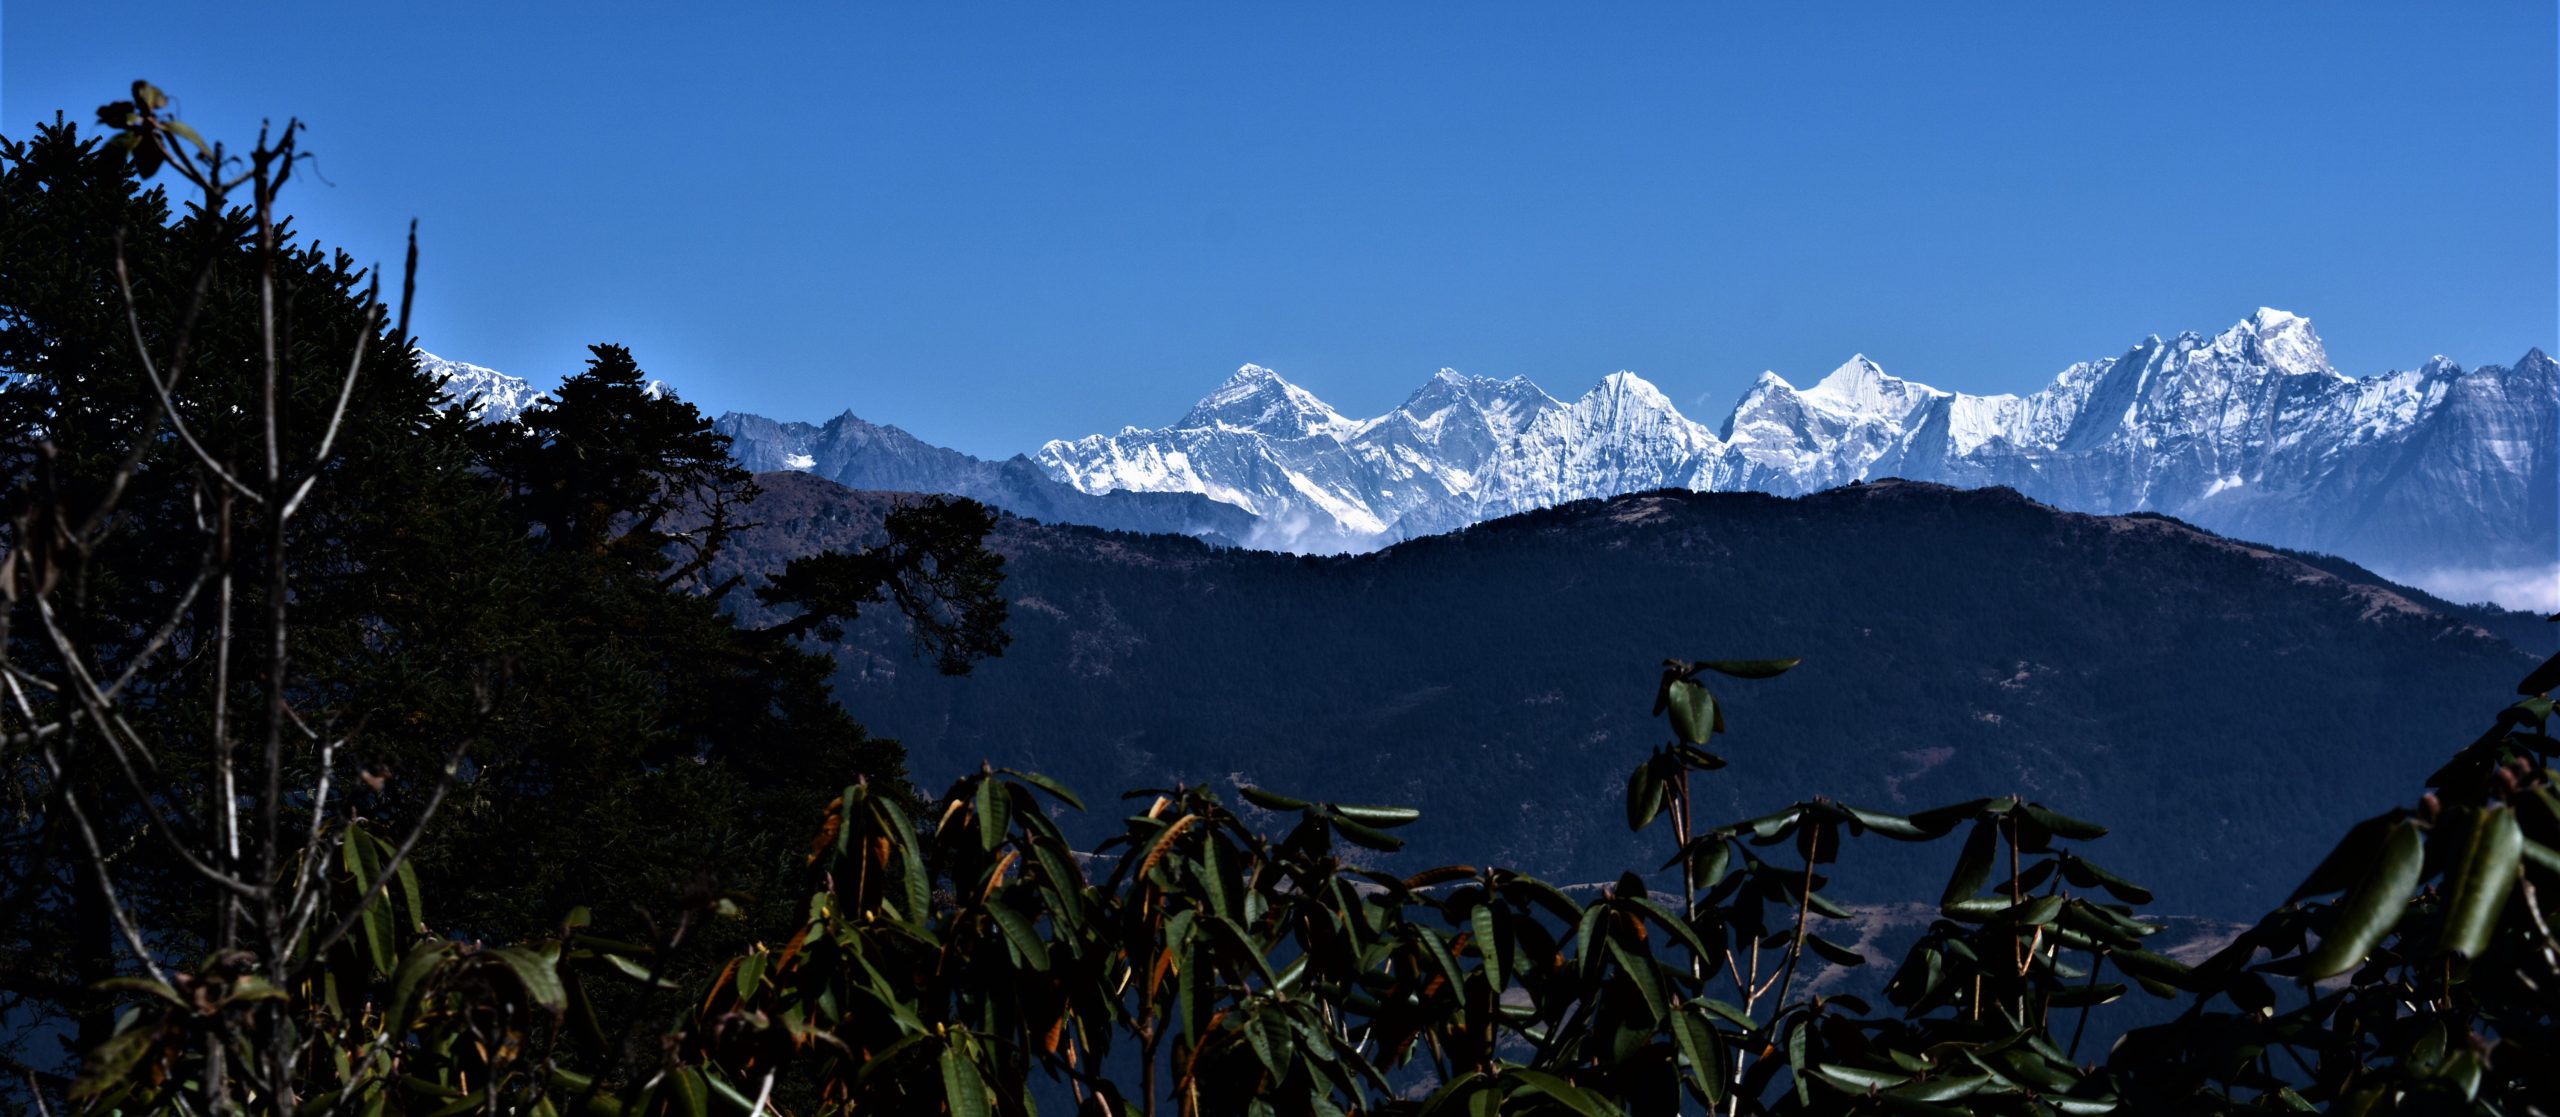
{"x": 996, "y": 224}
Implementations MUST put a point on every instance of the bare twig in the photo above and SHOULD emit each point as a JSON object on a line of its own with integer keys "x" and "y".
{"x": 164, "y": 389}
{"x": 106, "y": 880}
{"x": 1795, "y": 950}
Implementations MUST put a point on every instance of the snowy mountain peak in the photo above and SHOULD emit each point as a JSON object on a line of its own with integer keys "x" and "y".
{"x": 494, "y": 396}
{"x": 2269, "y": 318}
{"x": 1861, "y": 389}
{"x": 2281, "y": 340}
{"x": 1625, "y": 388}
{"x": 1256, "y": 399}
{"x": 2249, "y": 431}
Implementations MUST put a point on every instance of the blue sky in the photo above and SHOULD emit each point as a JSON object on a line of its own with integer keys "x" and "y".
{"x": 995, "y": 224}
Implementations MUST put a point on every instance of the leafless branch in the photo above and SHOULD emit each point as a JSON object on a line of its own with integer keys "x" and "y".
{"x": 164, "y": 390}
{"x": 106, "y": 880}
{"x": 168, "y": 628}
{"x": 124, "y": 471}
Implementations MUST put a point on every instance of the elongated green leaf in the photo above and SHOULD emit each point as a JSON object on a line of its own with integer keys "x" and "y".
{"x": 411, "y": 894}
{"x": 962, "y": 1088}
{"x": 1857, "y": 1080}
{"x": 422, "y": 960}
{"x": 1973, "y": 865}
{"x": 1709, "y": 858}
{"x": 2541, "y": 856}
{"x": 1189, "y": 992}
{"x": 2347, "y": 862}
{"x": 541, "y": 980}
{"x": 1453, "y": 1096}
{"x": 691, "y": 1097}
{"x": 1943, "y": 1088}
{"x": 1488, "y": 944}
{"x": 1645, "y": 796}
{"x": 1693, "y": 712}
{"x": 1360, "y": 834}
{"x": 2374, "y": 907}
{"x": 1582, "y": 932}
{"x": 1437, "y": 948}
{"x": 1236, "y": 940}
{"x": 145, "y": 986}
{"x": 2156, "y": 967}
{"x": 1770, "y": 827}
{"x": 1640, "y": 969}
{"x": 1044, "y": 783}
{"x": 1574, "y": 1097}
{"x": 1890, "y": 825}
{"x": 2482, "y": 881}
{"x": 1833, "y": 952}
{"x": 111, "y": 1063}
{"x": 1732, "y": 1013}
{"x": 1066, "y": 882}
{"x": 994, "y": 807}
{"x": 1271, "y": 800}
{"x": 362, "y": 856}
{"x": 1019, "y": 934}
{"x": 1672, "y": 922}
{"x": 918, "y": 906}
{"x": 2035, "y": 912}
{"x": 1703, "y": 1051}
{"x": 1378, "y": 816}
{"x": 2063, "y": 824}
{"x": 2116, "y": 886}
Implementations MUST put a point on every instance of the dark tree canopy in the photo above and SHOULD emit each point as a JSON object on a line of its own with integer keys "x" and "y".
{"x": 532, "y": 590}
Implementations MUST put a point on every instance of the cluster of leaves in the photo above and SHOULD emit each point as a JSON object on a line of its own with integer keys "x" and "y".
{"x": 970, "y": 961}
{"x": 1276, "y": 976}
{"x": 2422, "y": 949}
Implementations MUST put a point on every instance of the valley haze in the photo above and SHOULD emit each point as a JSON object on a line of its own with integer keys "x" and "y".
{"x": 2438, "y": 476}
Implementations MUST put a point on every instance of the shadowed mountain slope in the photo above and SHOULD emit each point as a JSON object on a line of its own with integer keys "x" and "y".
{"x": 2228, "y": 707}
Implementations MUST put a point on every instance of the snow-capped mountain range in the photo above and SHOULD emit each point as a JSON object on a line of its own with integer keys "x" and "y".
{"x": 494, "y": 396}
{"x": 2439, "y": 476}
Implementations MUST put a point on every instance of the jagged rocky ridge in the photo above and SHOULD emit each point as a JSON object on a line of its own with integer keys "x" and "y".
{"x": 2439, "y": 475}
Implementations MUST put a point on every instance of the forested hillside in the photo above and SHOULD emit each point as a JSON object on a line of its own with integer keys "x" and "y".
{"x": 2242, "y": 703}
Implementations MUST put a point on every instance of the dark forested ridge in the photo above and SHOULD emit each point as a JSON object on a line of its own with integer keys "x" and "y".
{"x": 2241, "y": 703}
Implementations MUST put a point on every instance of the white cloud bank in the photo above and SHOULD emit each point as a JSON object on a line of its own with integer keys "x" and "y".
{"x": 2531, "y": 588}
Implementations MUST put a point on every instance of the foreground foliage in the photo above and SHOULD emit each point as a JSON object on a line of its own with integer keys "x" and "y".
{"x": 1241, "y": 957}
